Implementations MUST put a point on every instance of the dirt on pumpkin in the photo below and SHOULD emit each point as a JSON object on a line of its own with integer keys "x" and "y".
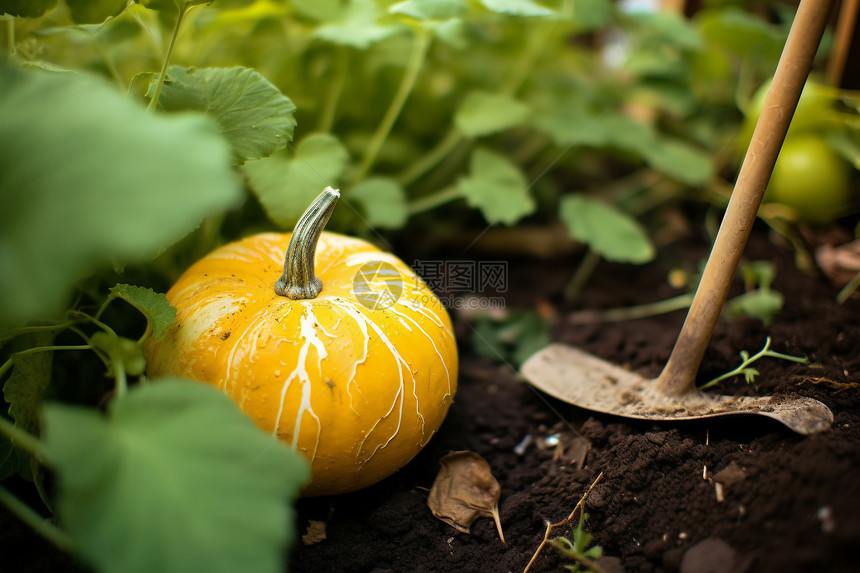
{"x": 785, "y": 502}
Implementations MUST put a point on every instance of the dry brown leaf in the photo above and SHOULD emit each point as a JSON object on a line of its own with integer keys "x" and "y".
{"x": 465, "y": 490}
{"x": 573, "y": 448}
{"x": 315, "y": 533}
{"x": 840, "y": 264}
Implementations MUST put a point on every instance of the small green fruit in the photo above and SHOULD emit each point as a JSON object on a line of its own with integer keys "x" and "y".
{"x": 814, "y": 111}
{"x": 812, "y": 178}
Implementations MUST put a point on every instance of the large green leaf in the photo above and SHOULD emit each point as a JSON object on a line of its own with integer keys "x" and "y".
{"x": 430, "y": 9}
{"x": 27, "y": 385}
{"x": 153, "y": 305}
{"x": 607, "y": 231}
{"x": 323, "y": 10}
{"x": 665, "y": 28}
{"x": 591, "y": 14}
{"x": 680, "y": 160}
{"x": 742, "y": 33}
{"x": 13, "y": 460}
{"x": 286, "y": 185}
{"x": 87, "y": 178}
{"x": 25, "y": 390}
{"x": 26, "y": 8}
{"x": 253, "y": 114}
{"x": 382, "y": 201}
{"x": 175, "y": 478}
{"x": 497, "y": 187}
{"x": 359, "y": 26}
{"x": 484, "y": 113}
{"x": 517, "y": 7}
{"x": 570, "y": 121}
{"x": 94, "y": 11}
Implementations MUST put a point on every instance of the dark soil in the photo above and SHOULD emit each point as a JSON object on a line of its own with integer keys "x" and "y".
{"x": 790, "y": 503}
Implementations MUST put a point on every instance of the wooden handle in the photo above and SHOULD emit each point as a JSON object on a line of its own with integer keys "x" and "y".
{"x": 679, "y": 375}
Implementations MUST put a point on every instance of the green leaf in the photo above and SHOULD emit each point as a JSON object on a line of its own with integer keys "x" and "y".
{"x": 358, "y": 27}
{"x": 845, "y": 142}
{"x": 383, "y": 202}
{"x": 592, "y": 14}
{"x": 430, "y": 9}
{"x": 94, "y": 11}
{"x": 89, "y": 178}
{"x": 174, "y": 479}
{"x": 513, "y": 338}
{"x": 167, "y": 9}
{"x": 287, "y": 185}
{"x": 763, "y": 304}
{"x": 323, "y": 10}
{"x": 517, "y": 7}
{"x": 739, "y": 32}
{"x": 484, "y": 113}
{"x": 607, "y": 231}
{"x": 680, "y": 161}
{"x": 569, "y": 121}
{"x": 452, "y": 33}
{"x": 566, "y": 119}
{"x": 26, "y": 8}
{"x": 153, "y": 305}
{"x": 255, "y": 117}
{"x": 665, "y": 28}
{"x": 497, "y": 187}
{"x": 24, "y": 391}
{"x": 13, "y": 461}
{"x": 27, "y": 385}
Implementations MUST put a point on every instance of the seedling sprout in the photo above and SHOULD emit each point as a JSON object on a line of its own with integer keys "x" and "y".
{"x": 750, "y": 373}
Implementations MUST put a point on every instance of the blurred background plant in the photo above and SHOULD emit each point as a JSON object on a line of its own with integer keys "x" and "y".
{"x": 444, "y": 118}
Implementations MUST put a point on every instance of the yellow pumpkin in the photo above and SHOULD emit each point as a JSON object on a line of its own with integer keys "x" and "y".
{"x": 355, "y": 367}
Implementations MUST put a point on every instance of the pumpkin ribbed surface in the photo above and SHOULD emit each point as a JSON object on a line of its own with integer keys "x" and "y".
{"x": 359, "y": 388}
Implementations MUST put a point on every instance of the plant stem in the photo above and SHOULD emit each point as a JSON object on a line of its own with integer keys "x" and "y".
{"x": 529, "y": 148}
{"x": 109, "y": 64}
{"x": 562, "y": 523}
{"x": 432, "y": 158}
{"x": 161, "y": 77}
{"x": 298, "y": 281}
{"x": 417, "y": 57}
{"x": 10, "y": 334}
{"x": 41, "y": 525}
{"x": 443, "y": 173}
{"x": 679, "y": 302}
{"x": 335, "y": 90}
{"x": 453, "y": 138}
{"x": 109, "y": 299}
{"x": 433, "y": 200}
{"x": 581, "y": 275}
{"x": 8, "y": 364}
{"x": 120, "y": 378}
{"x": 94, "y": 320}
{"x": 21, "y": 438}
{"x": 849, "y": 289}
{"x": 538, "y": 35}
{"x": 766, "y": 351}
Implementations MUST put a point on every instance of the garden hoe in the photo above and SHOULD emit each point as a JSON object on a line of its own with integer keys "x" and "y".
{"x": 579, "y": 378}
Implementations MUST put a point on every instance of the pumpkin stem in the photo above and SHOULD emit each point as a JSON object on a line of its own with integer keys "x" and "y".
{"x": 298, "y": 281}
